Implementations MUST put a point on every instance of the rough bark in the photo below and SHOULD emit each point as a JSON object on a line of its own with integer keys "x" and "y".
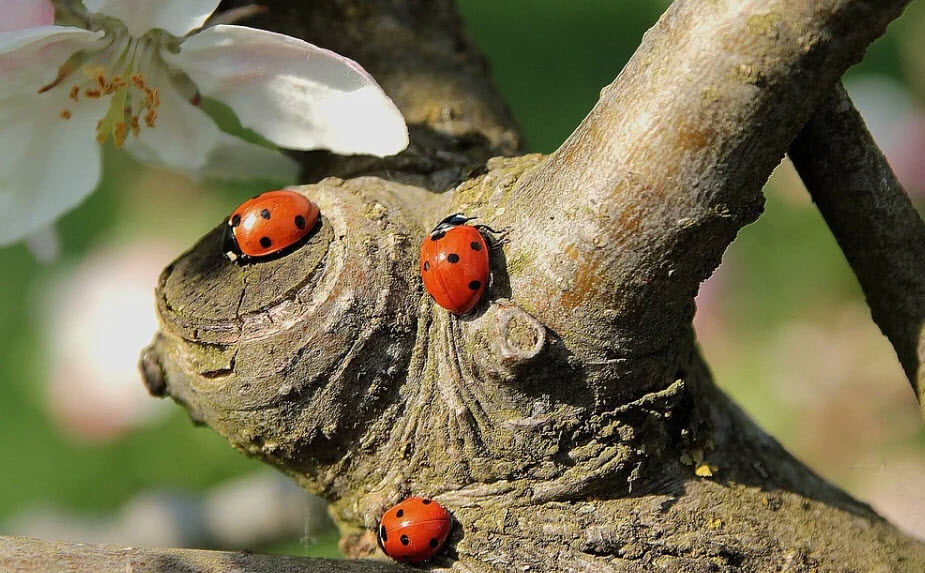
{"x": 569, "y": 423}
{"x": 875, "y": 223}
{"x": 25, "y": 554}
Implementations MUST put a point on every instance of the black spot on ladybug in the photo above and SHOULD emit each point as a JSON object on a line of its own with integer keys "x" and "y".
{"x": 438, "y": 236}
{"x": 476, "y": 246}
{"x": 300, "y": 221}
{"x": 265, "y": 242}
{"x": 474, "y": 285}
{"x": 404, "y": 540}
{"x": 265, "y": 213}
{"x": 382, "y": 534}
{"x": 434, "y": 543}
{"x": 426, "y": 265}
{"x": 236, "y": 220}
{"x": 453, "y": 258}
{"x": 425, "y": 501}
{"x": 400, "y": 513}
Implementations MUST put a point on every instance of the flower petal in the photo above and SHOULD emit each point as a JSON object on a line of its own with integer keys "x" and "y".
{"x": 295, "y": 94}
{"x": 187, "y": 139}
{"x": 183, "y": 135}
{"x": 44, "y": 244}
{"x": 21, "y": 14}
{"x": 178, "y": 17}
{"x": 29, "y": 59}
{"x": 234, "y": 158}
{"x": 48, "y": 165}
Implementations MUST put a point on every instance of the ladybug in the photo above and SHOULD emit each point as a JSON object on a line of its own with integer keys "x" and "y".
{"x": 414, "y": 530}
{"x": 454, "y": 263}
{"x": 269, "y": 224}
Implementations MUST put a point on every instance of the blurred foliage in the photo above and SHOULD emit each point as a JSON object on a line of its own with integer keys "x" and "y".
{"x": 550, "y": 60}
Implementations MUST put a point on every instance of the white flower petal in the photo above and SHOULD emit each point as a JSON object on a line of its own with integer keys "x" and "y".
{"x": 21, "y": 14}
{"x": 29, "y": 59}
{"x": 187, "y": 139}
{"x": 183, "y": 135}
{"x": 44, "y": 244}
{"x": 295, "y": 94}
{"x": 48, "y": 164}
{"x": 178, "y": 17}
{"x": 234, "y": 158}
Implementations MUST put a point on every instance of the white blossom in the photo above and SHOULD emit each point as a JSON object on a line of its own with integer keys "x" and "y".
{"x": 134, "y": 76}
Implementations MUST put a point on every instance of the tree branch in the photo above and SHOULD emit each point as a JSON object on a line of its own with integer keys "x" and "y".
{"x": 554, "y": 421}
{"x": 27, "y": 554}
{"x": 616, "y": 230}
{"x": 873, "y": 220}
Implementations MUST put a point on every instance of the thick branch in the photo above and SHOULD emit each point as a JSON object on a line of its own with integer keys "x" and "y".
{"x": 637, "y": 206}
{"x": 554, "y": 421}
{"x": 26, "y": 554}
{"x": 874, "y": 222}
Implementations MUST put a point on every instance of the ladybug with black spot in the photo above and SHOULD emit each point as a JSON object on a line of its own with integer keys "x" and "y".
{"x": 268, "y": 225}
{"x": 414, "y": 530}
{"x": 454, "y": 263}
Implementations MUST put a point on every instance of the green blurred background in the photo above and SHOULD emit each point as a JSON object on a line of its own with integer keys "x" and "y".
{"x": 783, "y": 323}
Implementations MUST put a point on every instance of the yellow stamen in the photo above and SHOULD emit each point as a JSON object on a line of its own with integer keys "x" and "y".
{"x": 131, "y": 100}
{"x": 116, "y": 83}
{"x": 152, "y": 98}
{"x": 119, "y": 133}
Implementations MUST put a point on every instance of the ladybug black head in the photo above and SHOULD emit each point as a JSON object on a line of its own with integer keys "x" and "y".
{"x": 453, "y": 220}
{"x": 230, "y": 245}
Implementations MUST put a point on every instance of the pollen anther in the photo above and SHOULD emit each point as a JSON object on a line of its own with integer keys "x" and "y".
{"x": 132, "y": 99}
{"x": 119, "y": 133}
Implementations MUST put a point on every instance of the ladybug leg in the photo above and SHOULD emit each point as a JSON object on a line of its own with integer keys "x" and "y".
{"x": 484, "y": 228}
{"x": 495, "y": 239}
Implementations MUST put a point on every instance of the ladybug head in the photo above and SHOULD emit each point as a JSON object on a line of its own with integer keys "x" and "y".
{"x": 453, "y": 220}
{"x": 229, "y": 244}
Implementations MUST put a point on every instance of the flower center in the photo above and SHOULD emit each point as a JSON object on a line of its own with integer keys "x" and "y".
{"x": 116, "y": 72}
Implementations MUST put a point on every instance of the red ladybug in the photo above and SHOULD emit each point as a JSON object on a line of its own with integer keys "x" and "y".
{"x": 268, "y": 224}
{"x": 454, "y": 263}
{"x": 414, "y": 530}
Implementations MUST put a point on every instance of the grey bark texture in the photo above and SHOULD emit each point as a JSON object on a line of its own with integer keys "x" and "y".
{"x": 22, "y": 554}
{"x": 569, "y": 423}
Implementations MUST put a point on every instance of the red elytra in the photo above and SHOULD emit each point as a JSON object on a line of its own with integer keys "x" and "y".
{"x": 269, "y": 223}
{"x": 454, "y": 264}
{"x": 414, "y": 530}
